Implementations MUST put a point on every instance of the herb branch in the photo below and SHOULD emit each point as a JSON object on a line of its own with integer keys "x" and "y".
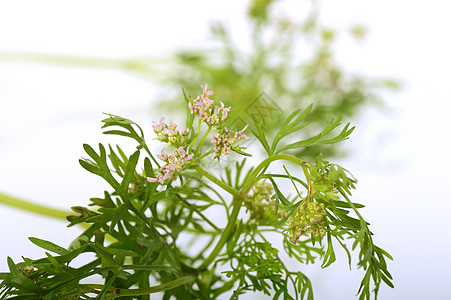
{"x": 158, "y": 230}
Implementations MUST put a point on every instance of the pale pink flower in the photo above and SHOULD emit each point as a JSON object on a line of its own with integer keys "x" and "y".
{"x": 204, "y": 116}
{"x": 224, "y": 111}
{"x": 180, "y": 151}
{"x": 226, "y": 149}
{"x": 158, "y": 126}
{"x": 240, "y": 134}
{"x": 183, "y": 156}
{"x": 205, "y": 93}
{"x": 159, "y": 179}
{"x": 185, "y": 131}
{"x": 206, "y": 103}
{"x": 194, "y": 107}
{"x": 165, "y": 169}
{"x": 197, "y": 101}
{"x": 212, "y": 119}
{"x": 178, "y": 166}
{"x": 163, "y": 156}
{"x": 172, "y": 125}
{"x": 172, "y": 158}
{"x": 167, "y": 175}
{"x": 172, "y": 167}
{"x": 216, "y": 139}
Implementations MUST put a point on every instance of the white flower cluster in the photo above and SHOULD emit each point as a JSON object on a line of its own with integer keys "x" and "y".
{"x": 173, "y": 167}
{"x": 176, "y": 138}
{"x": 171, "y": 133}
{"x": 204, "y": 108}
{"x": 225, "y": 138}
{"x": 210, "y": 114}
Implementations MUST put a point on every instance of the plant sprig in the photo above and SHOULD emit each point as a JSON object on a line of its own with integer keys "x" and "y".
{"x": 138, "y": 231}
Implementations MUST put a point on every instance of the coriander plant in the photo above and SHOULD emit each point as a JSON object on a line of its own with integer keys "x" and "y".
{"x": 158, "y": 230}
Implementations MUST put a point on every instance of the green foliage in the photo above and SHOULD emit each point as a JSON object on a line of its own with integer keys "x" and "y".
{"x": 138, "y": 231}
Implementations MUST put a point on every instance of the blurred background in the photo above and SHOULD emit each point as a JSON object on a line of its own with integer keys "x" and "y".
{"x": 382, "y": 65}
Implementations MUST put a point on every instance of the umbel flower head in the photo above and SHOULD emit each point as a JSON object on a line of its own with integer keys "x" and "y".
{"x": 308, "y": 219}
{"x": 175, "y": 137}
{"x": 260, "y": 205}
{"x": 173, "y": 167}
{"x": 225, "y": 139}
{"x": 206, "y": 109}
{"x": 171, "y": 133}
{"x": 215, "y": 114}
{"x": 211, "y": 112}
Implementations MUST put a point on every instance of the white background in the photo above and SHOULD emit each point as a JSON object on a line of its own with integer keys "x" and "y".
{"x": 400, "y": 155}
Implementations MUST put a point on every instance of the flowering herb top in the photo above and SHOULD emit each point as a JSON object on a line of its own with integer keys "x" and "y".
{"x": 177, "y": 139}
{"x": 215, "y": 116}
{"x": 142, "y": 228}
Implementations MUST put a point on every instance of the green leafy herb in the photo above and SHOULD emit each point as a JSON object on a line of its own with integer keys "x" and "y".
{"x": 158, "y": 229}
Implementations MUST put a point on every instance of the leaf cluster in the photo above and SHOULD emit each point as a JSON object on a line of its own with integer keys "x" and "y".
{"x": 256, "y": 266}
{"x": 292, "y": 125}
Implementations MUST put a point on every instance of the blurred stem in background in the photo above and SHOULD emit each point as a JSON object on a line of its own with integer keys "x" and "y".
{"x": 263, "y": 81}
{"x": 33, "y": 207}
{"x": 146, "y": 67}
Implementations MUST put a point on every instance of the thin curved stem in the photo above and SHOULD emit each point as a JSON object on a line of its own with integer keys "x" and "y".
{"x": 115, "y": 292}
{"x": 151, "y": 156}
{"x": 206, "y": 154}
{"x": 237, "y": 201}
{"x": 284, "y": 176}
{"x": 191, "y": 145}
{"x": 218, "y": 182}
{"x": 250, "y": 181}
{"x": 225, "y": 234}
{"x": 199, "y": 213}
{"x": 202, "y": 140}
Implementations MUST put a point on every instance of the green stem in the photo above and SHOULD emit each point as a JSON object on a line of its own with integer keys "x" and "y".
{"x": 65, "y": 60}
{"x": 146, "y": 65}
{"x": 283, "y": 175}
{"x": 191, "y": 145}
{"x": 237, "y": 202}
{"x": 342, "y": 192}
{"x": 220, "y": 183}
{"x": 142, "y": 291}
{"x": 202, "y": 140}
{"x": 151, "y": 156}
{"x": 309, "y": 181}
{"x": 250, "y": 181}
{"x": 206, "y": 154}
{"x": 199, "y": 213}
{"x": 200, "y": 255}
{"x": 205, "y": 232}
{"x": 33, "y": 207}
